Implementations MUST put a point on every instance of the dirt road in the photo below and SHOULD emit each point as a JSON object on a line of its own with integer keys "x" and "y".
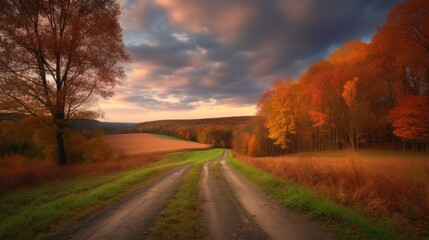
{"x": 234, "y": 208}
{"x": 231, "y": 208}
{"x": 222, "y": 213}
{"x": 131, "y": 217}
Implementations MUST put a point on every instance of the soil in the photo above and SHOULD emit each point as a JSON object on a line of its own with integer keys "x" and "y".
{"x": 222, "y": 214}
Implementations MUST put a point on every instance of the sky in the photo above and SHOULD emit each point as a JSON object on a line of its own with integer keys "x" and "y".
{"x": 205, "y": 58}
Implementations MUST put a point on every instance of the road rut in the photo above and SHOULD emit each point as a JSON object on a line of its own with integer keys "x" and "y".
{"x": 131, "y": 217}
{"x": 277, "y": 222}
{"x": 222, "y": 213}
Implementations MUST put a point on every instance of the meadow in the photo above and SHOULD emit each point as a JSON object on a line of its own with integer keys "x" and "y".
{"x": 392, "y": 187}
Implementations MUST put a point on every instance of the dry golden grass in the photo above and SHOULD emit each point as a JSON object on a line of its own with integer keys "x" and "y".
{"x": 23, "y": 174}
{"x": 140, "y": 143}
{"x": 397, "y": 187}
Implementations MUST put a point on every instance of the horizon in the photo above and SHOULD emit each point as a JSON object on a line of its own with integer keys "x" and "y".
{"x": 178, "y": 119}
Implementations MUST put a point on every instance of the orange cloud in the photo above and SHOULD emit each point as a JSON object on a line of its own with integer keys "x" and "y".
{"x": 227, "y": 19}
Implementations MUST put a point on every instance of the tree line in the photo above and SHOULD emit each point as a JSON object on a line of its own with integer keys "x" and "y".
{"x": 214, "y": 131}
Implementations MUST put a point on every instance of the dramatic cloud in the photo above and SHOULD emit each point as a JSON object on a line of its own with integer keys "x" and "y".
{"x": 191, "y": 54}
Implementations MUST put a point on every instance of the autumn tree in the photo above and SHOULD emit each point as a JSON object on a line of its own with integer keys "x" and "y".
{"x": 402, "y": 44}
{"x": 279, "y": 113}
{"x": 402, "y": 47}
{"x": 349, "y": 95}
{"x": 55, "y": 56}
{"x": 410, "y": 119}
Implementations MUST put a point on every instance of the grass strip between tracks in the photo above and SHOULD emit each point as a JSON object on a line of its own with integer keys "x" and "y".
{"x": 180, "y": 219}
{"x": 347, "y": 223}
{"x": 35, "y": 213}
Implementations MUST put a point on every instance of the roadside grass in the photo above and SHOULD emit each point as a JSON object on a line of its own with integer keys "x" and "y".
{"x": 37, "y": 212}
{"x": 347, "y": 223}
{"x": 383, "y": 184}
{"x": 26, "y": 173}
{"x": 180, "y": 219}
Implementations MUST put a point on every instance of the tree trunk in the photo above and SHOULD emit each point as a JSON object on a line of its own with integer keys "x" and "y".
{"x": 350, "y": 135}
{"x": 61, "y": 151}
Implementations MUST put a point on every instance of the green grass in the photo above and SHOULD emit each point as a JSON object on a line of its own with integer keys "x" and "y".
{"x": 347, "y": 223}
{"x": 180, "y": 219}
{"x": 191, "y": 156}
{"x": 34, "y": 213}
{"x": 168, "y": 137}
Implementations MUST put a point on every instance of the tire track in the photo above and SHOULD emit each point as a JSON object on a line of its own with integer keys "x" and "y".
{"x": 276, "y": 221}
{"x": 222, "y": 214}
{"x": 132, "y": 216}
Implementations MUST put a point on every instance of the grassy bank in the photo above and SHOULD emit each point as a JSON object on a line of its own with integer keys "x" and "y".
{"x": 348, "y": 223}
{"x": 384, "y": 184}
{"x": 34, "y": 213}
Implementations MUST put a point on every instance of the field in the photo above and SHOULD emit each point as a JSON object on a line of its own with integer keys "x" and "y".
{"x": 143, "y": 143}
{"x": 383, "y": 185}
{"x": 132, "y": 151}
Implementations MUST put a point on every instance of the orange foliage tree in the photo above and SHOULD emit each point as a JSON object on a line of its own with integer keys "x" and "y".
{"x": 410, "y": 119}
{"x": 279, "y": 113}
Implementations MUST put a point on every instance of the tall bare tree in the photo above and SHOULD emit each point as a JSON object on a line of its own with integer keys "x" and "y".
{"x": 55, "y": 55}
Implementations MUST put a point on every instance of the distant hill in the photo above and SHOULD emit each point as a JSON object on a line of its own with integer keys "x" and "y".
{"x": 227, "y": 121}
{"x": 107, "y": 127}
{"x": 214, "y": 131}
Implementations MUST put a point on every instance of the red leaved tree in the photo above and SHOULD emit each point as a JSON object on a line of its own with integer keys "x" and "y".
{"x": 410, "y": 118}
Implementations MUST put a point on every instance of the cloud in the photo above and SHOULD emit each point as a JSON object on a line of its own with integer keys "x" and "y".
{"x": 193, "y": 53}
